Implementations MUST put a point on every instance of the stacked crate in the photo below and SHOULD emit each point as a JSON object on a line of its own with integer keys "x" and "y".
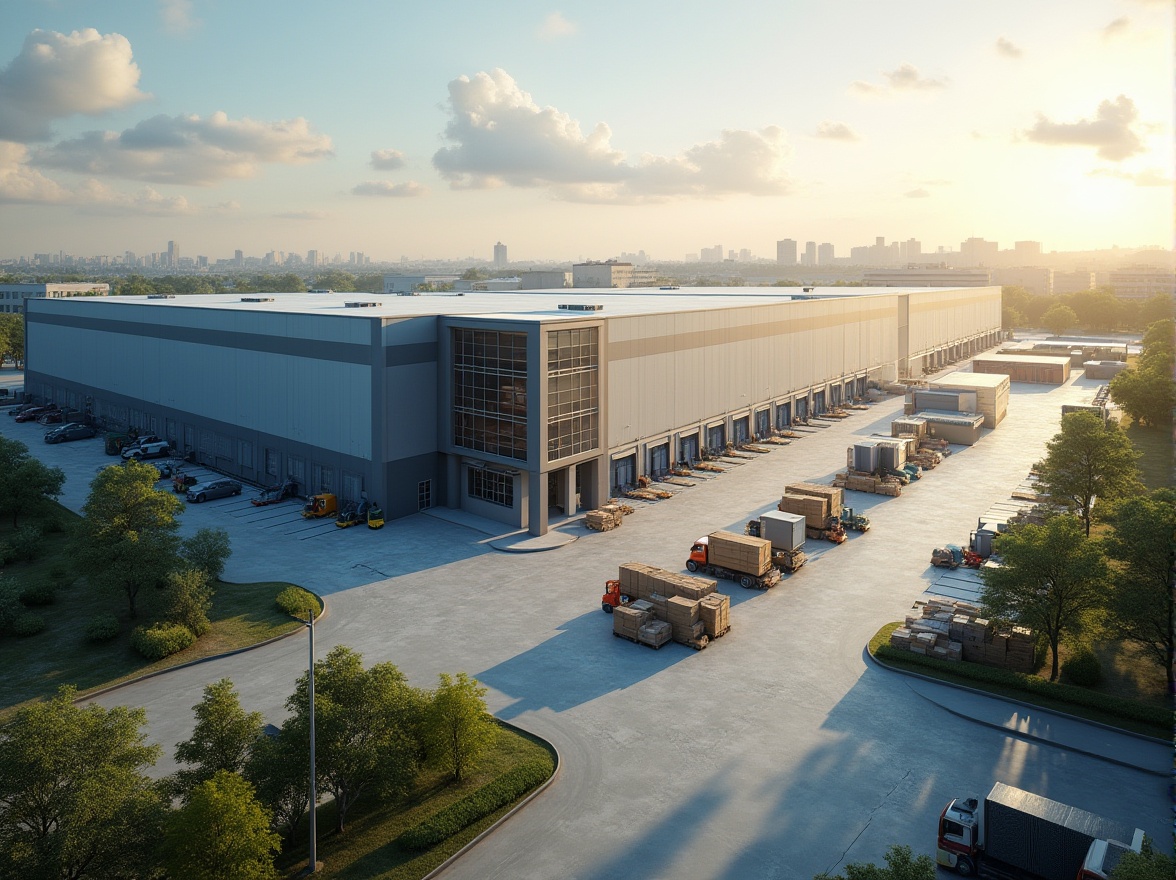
{"x": 627, "y": 621}
{"x": 835, "y": 494}
{"x": 814, "y": 509}
{"x": 650, "y": 582}
{"x": 684, "y": 619}
{"x": 740, "y": 553}
{"x": 715, "y": 613}
{"x": 655, "y": 633}
{"x": 954, "y": 630}
{"x": 602, "y": 519}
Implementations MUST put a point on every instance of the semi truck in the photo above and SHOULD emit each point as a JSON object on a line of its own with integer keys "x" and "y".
{"x": 1017, "y": 834}
{"x": 740, "y": 558}
{"x": 786, "y": 532}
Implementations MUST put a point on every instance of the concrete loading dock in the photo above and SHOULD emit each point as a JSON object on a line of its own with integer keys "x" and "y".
{"x": 1041, "y": 370}
{"x": 992, "y": 393}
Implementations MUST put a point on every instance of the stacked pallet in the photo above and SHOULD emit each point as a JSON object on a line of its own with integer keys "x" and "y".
{"x": 715, "y": 613}
{"x": 686, "y": 625}
{"x": 627, "y": 621}
{"x": 652, "y": 583}
{"x": 835, "y": 494}
{"x": 740, "y": 553}
{"x": 604, "y": 518}
{"x": 815, "y": 509}
{"x": 954, "y": 630}
{"x": 655, "y": 633}
{"x": 861, "y": 482}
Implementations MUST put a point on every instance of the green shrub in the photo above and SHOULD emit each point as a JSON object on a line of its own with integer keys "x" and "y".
{"x": 189, "y": 599}
{"x": 102, "y": 628}
{"x": 1157, "y": 716}
{"x": 25, "y": 544}
{"x": 1083, "y": 669}
{"x": 38, "y": 595}
{"x": 161, "y": 640}
{"x": 476, "y": 805}
{"x": 10, "y": 607}
{"x": 54, "y": 525}
{"x": 28, "y": 624}
{"x": 59, "y": 574}
{"x": 297, "y": 601}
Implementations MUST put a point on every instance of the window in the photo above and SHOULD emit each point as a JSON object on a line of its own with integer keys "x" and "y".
{"x": 424, "y": 494}
{"x": 490, "y": 392}
{"x": 272, "y": 460}
{"x": 573, "y": 392}
{"x": 492, "y": 486}
{"x": 246, "y": 457}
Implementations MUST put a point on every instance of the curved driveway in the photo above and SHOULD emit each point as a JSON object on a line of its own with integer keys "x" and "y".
{"x": 776, "y": 752}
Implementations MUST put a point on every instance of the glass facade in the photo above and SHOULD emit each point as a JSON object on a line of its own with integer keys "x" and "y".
{"x": 573, "y": 392}
{"x": 491, "y": 486}
{"x": 490, "y": 392}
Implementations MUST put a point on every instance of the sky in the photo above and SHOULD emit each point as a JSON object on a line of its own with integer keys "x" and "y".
{"x": 581, "y": 130}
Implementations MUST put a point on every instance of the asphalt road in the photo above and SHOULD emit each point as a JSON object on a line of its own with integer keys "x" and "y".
{"x": 779, "y": 751}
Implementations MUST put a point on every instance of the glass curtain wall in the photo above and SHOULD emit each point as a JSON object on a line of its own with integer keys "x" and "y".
{"x": 573, "y": 392}
{"x": 490, "y": 392}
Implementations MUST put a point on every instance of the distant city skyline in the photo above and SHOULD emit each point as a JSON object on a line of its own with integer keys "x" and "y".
{"x": 433, "y": 131}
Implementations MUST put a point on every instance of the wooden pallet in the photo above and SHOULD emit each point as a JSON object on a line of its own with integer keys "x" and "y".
{"x": 638, "y": 641}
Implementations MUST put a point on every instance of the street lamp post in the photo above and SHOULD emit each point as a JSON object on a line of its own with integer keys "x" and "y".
{"x": 313, "y": 867}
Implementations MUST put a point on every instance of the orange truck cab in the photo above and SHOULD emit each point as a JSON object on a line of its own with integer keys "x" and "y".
{"x": 613, "y": 597}
{"x": 698, "y": 554}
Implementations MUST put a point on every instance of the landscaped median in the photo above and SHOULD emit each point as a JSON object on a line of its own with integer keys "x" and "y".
{"x": 1134, "y": 716}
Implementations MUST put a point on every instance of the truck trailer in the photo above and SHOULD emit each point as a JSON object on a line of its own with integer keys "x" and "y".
{"x": 1017, "y": 834}
{"x": 786, "y": 532}
{"x": 739, "y": 558}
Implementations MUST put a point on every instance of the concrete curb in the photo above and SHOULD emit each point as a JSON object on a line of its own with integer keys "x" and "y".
{"x": 445, "y": 865}
{"x": 1029, "y": 736}
{"x": 89, "y": 695}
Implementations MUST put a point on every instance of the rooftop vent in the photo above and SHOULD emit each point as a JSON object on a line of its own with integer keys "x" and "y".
{"x": 407, "y": 293}
{"x": 362, "y": 305}
{"x": 670, "y": 287}
{"x": 581, "y": 307}
{"x": 257, "y": 299}
{"x": 161, "y": 296}
{"x": 321, "y": 290}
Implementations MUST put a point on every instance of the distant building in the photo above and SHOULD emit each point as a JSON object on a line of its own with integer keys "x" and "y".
{"x": 1072, "y": 282}
{"x": 500, "y": 259}
{"x": 911, "y": 250}
{"x": 927, "y": 276}
{"x": 825, "y": 254}
{"x": 786, "y": 252}
{"x": 1141, "y": 282}
{"x": 711, "y": 254}
{"x": 1034, "y": 279}
{"x": 173, "y": 255}
{"x": 404, "y": 285}
{"x": 810, "y": 254}
{"x": 239, "y": 258}
{"x": 978, "y": 252}
{"x": 609, "y": 274}
{"x": 544, "y": 280}
{"x": 487, "y": 284}
{"x": 1027, "y": 253}
{"x": 12, "y": 296}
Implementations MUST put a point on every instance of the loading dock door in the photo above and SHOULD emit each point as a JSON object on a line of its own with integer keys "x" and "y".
{"x": 835, "y": 395}
{"x": 818, "y": 402}
{"x": 659, "y": 459}
{"x": 801, "y": 408}
{"x": 624, "y": 472}
{"x": 849, "y": 391}
{"x": 689, "y": 449}
{"x": 740, "y": 430}
{"x": 716, "y": 438}
{"x": 861, "y": 386}
{"x": 783, "y": 415}
{"x": 763, "y": 423}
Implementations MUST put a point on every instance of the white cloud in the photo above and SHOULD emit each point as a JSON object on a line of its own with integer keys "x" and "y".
{"x": 1111, "y": 132}
{"x": 836, "y": 131}
{"x": 555, "y": 26}
{"x": 1116, "y": 28}
{"x": 502, "y": 137}
{"x": 177, "y": 16}
{"x": 919, "y": 193}
{"x": 1008, "y": 49}
{"x": 23, "y": 184}
{"x": 904, "y": 78}
{"x": 58, "y": 75}
{"x": 387, "y": 160}
{"x": 188, "y": 149}
{"x": 388, "y": 189}
{"x": 1146, "y": 177}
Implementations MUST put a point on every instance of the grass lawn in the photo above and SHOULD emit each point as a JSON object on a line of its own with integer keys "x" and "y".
{"x": 367, "y": 848}
{"x": 882, "y": 637}
{"x": 1155, "y": 444}
{"x": 36, "y": 666}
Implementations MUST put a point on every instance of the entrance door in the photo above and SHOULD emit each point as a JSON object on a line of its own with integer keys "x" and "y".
{"x": 689, "y": 449}
{"x": 740, "y": 430}
{"x": 659, "y": 460}
{"x": 624, "y": 472}
{"x": 763, "y": 423}
{"x": 716, "y": 438}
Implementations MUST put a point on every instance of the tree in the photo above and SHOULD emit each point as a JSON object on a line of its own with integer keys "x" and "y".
{"x": 26, "y": 485}
{"x": 336, "y": 279}
{"x": 1148, "y": 865}
{"x": 1059, "y": 319}
{"x": 74, "y": 798}
{"x": 128, "y": 540}
{"x": 1143, "y": 542}
{"x": 222, "y": 831}
{"x": 188, "y": 600}
{"x": 1088, "y": 460}
{"x": 1157, "y": 308}
{"x": 11, "y": 339}
{"x": 1052, "y": 577}
{"x": 279, "y": 768}
{"x": 207, "y": 551}
{"x": 901, "y": 864}
{"x": 221, "y": 740}
{"x": 1010, "y": 318}
{"x": 365, "y": 723}
{"x": 1148, "y": 396}
{"x": 458, "y": 729}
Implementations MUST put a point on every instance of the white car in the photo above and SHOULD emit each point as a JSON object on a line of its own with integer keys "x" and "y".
{"x": 147, "y": 449}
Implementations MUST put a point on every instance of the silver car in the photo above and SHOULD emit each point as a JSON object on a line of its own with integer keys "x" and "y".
{"x": 213, "y": 489}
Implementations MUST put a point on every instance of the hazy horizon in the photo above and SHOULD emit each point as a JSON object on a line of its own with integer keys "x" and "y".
{"x": 582, "y": 131}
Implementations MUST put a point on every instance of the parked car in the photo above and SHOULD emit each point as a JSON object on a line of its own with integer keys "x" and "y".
{"x": 52, "y": 417}
{"x": 32, "y": 413}
{"x": 222, "y": 488}
{"x": 143, "y": 448}
{"x": 72, "y": 431}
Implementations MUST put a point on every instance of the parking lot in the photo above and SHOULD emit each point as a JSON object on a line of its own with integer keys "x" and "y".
{"x": 779, "y": 751}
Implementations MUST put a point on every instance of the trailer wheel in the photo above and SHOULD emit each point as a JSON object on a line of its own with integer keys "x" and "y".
{"x": 606, "y": 608}
{"x": 964, "y": 867}
{"x": 691, "y": 565}
{"x": 746, "y": 582}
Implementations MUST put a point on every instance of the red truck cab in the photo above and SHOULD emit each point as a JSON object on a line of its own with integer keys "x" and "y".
{"x": 698, "y": 554}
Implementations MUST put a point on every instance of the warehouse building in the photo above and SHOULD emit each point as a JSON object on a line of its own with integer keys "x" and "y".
{"x": 516, "y": 406}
